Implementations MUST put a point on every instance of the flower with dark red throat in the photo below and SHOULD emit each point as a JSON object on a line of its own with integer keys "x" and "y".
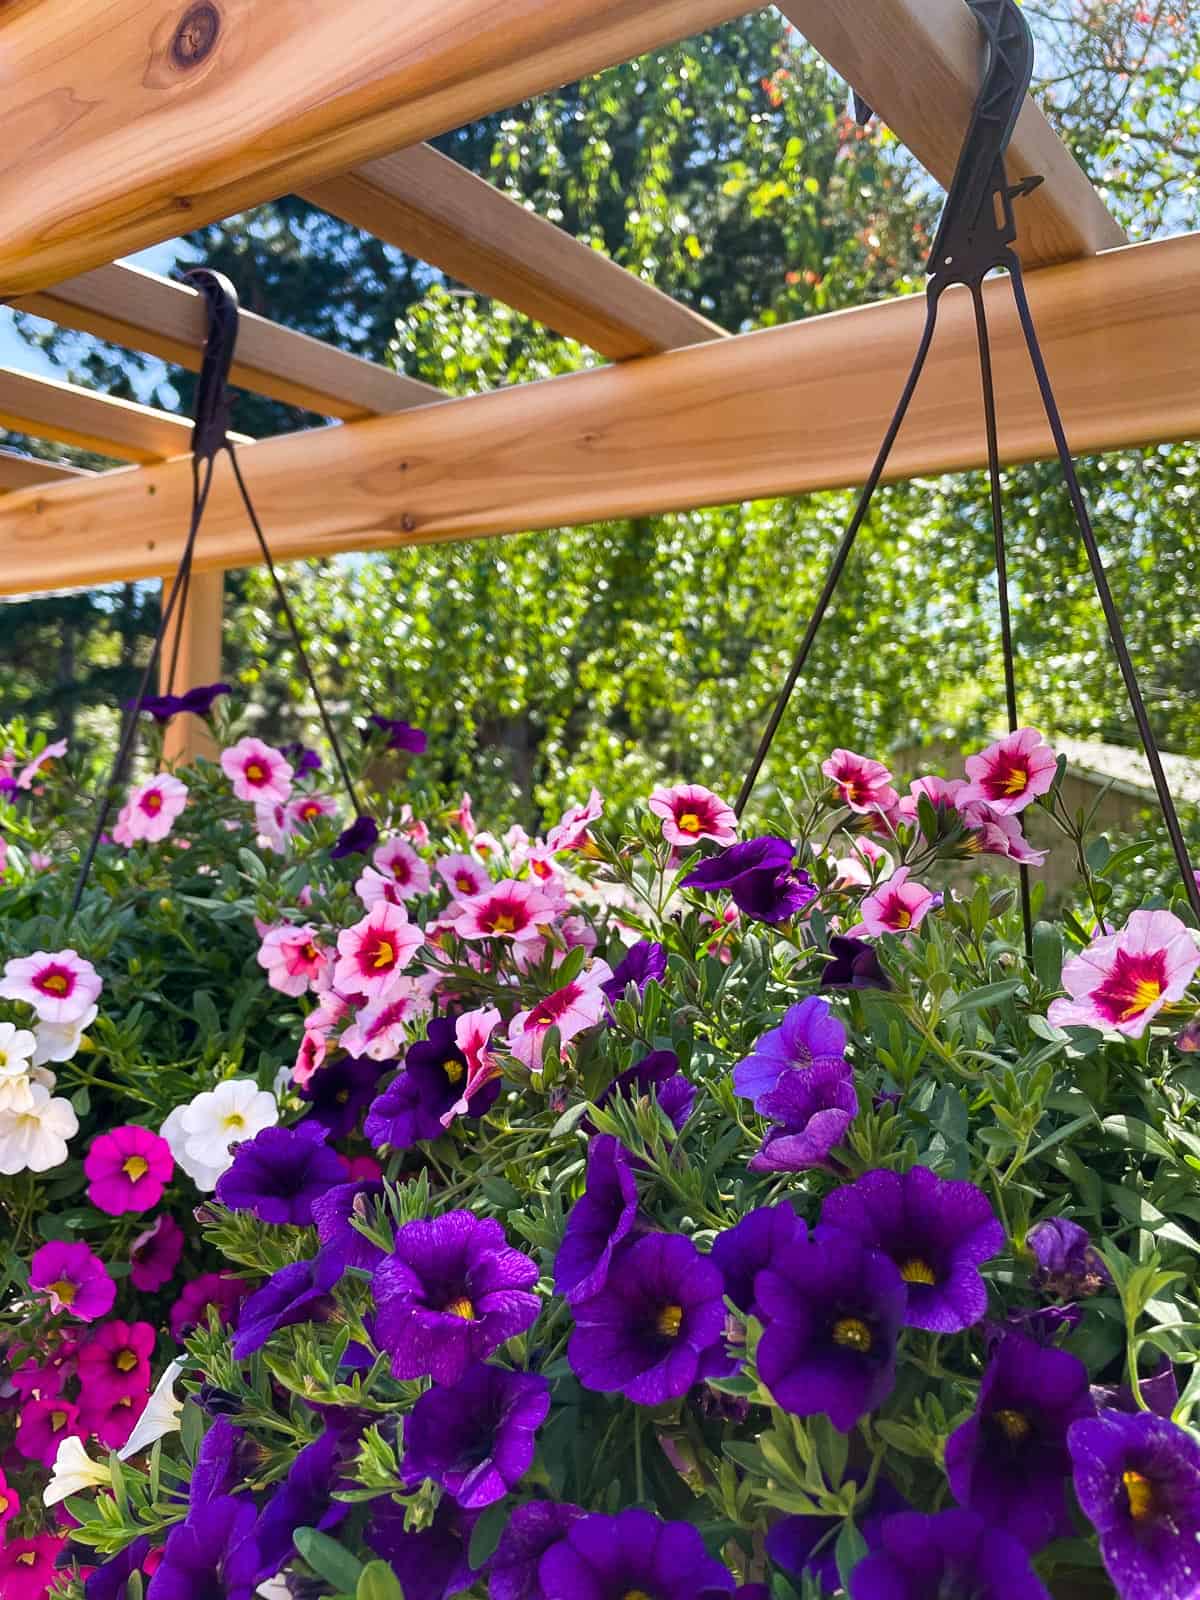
{"x": 571, "y": 831}
{"x": 598, "y": 1221}
{"x": 860, "y": 783}
{"x": 576, "y": 1006}
{"x": 257, "y": 771}
{"x": 1122, "y": 981}
{"x": 60, "y": 986}
{"x": 511, "y": 909}
{"x": 476, "y": 1439}
{"x": 895, "y": 906}
{"x": 1010, "y": 774}
{"x": 373, "y": 954}
{"x": 690, "y": 813}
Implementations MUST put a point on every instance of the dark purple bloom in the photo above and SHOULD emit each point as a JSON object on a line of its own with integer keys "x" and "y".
{"x": 1009, "y": 1461}
{"x": 598, "y": 1221}
{"x": 756, "y": 1243}
{"x": 936, "y": 1230}
{"x": 332, "y": 1212}
{"x": 855, "y": 965}
{"x": 154, "y": 1254}
{"x": 400, "y": 735}
{"x": 644, "y": 961}
{"x": 301, "y": 757}
{"x": 532, "y": 1530}
{"x": 953, "y": 1555}
{"x": 1159, "y": 1392}
{"x": 303, "y": 1500}
{"x": 476, "y": 1440}
{"x": 659, "y": 1071}
{"x": 355, "y": 840}
{"x": 199, "y": 701}
{"x": 217, "y": 1470}
{"x": 1046, "y": 1324}
{"x": 414, "y": 1103}
{"x": 339, "y": 1090}
{"x": 1137, "y": 1478}
{"x": 279, "y": 1173}
{"x": 297, "y": 1293}
{"x": 633, "y": 1553}
{"x": 808, "y": 1036}
{"x": 651, "y": 1331}
{"x": 212, "y": 1555}
{"x": 760, "y": 876}
{"x": 813, "y": 1110}
{"x": 833, "y": 1311}
{"x": 806, "y": 1544}
{"x": 1068, "y": 1265}
{"x": 432, "y": 1564}
{"x": 109, "y": 1579}
{"x": 453, "y": 1291}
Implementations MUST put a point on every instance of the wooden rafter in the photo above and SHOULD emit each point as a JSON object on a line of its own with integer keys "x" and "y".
{"x": 144, "y": 311}
{"x": 23, "y": 472}
{"x": 782, "y": 411}
{"x": 433, "y": 208}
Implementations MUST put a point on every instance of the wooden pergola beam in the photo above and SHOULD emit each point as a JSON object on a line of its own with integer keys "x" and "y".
{"x": 432, "y": 208}
{"x": 783, "y": 411}
{"x": 917, "y": 62}
{"x": 127, "y": 121}
{"x": 143, "y": 311}
{"x": 23, "y": 472}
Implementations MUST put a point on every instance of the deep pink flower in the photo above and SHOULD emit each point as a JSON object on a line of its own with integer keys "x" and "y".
{"x": 1124, "y": 980}
{"x": 115, "y": 1358}
{"x": 150, "y": 810}
{"x": 154, "y": 1254}
{"x": 56, "y": 1367}
{"x": 380, "y": 1029}
{"x": 220, "y": 1290}
{"x": 461, "y": 816}
{"x": 292, "y": 958}
{"x": 10, "y": 1503}
{"x": 306, "y": 808}
{"x": 860, "y": 783}
{"x": 999, "y": 834}
{"x": 48, "y": 756}
{"x": 399, "y": 862}
{"x": 1011, "y": 773}
{"x": 690, "y": 812}
{"x": 472, "y": 1034}
{"x": 571, "y": 832}
{"x": 942, "y": 794}
{"x": 27, "y": 1566}
{"x": 511, "y": 909}
{"x": 896, "y": 906}
{"x": 373, "y": 954}
{"x": 42, "y": 1425}
{"x": 463, "y": 876}
{"x": 257, "y": 771}
{"x": 110, "y": 1414}
{"x": 60, "y": 985}
{"x": 576, "y": 1006}
{"x": 128, "y": 1169}
{"x": 314, "y": 1047}
{"x": 364, "y": 1167}
{"x": 74, "y": 1279}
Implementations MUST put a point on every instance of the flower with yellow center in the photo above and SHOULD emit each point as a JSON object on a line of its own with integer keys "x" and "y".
{"x": 135, "y": 1167}
{"x": 460, "y": 1307}
{"x": 1139, "y": 1492}
{"x": 918, "y": 1271}
{"x": 669, "y": 1321}
{"x": 1014, "y": 1425}
{"x": 852, "y": 1334}
{"x": 689, "y": 822}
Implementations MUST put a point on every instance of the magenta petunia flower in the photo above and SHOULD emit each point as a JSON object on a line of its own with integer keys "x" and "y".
{"x": 690, "y": 812}
{"x": 463, "y": 876}
{"x": 28, "y": 1566}
{"x": 150, "y": 810}
{"x": 74, "y": 1279}
{"x": 257, "y": 771}
{"x": 860, "y": 783}
{"x": 571, "y": 832}
{"x": 115, "y": 1357}
{"x": 60, "y": 985}
{"x": 896, "y": 906}
{"x": 128, "y": 1169}
{"x": 154, "y": 1254}
{"x": 39, "y": 764}
{"x": 373, "y": 954}
{"x": 398, "y": 861}
{"x": 42, "y": 1425}
{"x": 577, "y": 1005}
{"x": 1010, "y": 774}
{"x": 10, "y": 1503}
{"x": 1122, "y": 981}
{"x": 511, "y": 909}
{"x": 221, "y": 1290}
{"x": 110, "y": 1415}
{"x": 292, "y": 958}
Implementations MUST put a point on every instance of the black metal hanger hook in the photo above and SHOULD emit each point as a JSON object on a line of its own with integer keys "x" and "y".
{"x": 210, "y": 426}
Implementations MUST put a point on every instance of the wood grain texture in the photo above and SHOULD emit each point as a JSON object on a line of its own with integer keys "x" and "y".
{"x": 22, "y": 472}
{"x": 49, "y": 409}
{"x": 112, "y": 140}
{"x": 198, "y": 661}
{"x": 433, "y": 208}
{"x": 917, "y": 62}
{"x": 782, "y": 411}
{"x": 143, "y": 311}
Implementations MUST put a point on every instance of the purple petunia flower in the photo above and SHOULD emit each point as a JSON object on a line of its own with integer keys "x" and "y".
{"x": 760, "y": 876}
{"x": 936, "y": 1230}
{"x": 755, "y": 1244}
{"x": 199, "y": 701}
{"x": 432, "y": 1564}
{"x": 532, "y": 1530}
{"x": 301, "y": 757}
{"x": 645, "y": 960}
{"x": 598, "y": 1221}
{"x": 1138, "y": 1481}
{"x": 1159, "y": 1393}
{"x": 813, "y": 1109}
{"x": 953, "y": 1555}
{"x": 655, "y": 1327}
{"x": 453, "y": 1291}
{"x": 1009, "y": 1461}
{"x": 802, "y": 1545}
{"x": 414, "y": 1103}
{"x": 855, "y": 965}
{"x": 108, "y": 1581}
{"x": 303, "y": 1500}
{"x": 212, "y": 1555}
{"x": 332, "y": 1212}
{"x": 279, "y": 1173}
{"x": 833, "y": 1311}
{"x": 633, "y": 1553}
{"x": 400, "y": 735}
{"x": 339, "y": 1090}
{"x": 808, "y": 1036}
{"x": 356, "y": 840}
{"x": 659, "y": 1071}
{"x": 1068, "y": 1265}
{"x": 296, "y": 1293}
{"x": 477, "y": 1439}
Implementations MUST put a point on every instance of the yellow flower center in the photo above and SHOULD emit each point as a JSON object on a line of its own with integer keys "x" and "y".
{"x": 453, "y": 1069}
{"x": 308, "y": 812}
{"x": 635, "y": 1594}
{"x": 152, "y": 802}
{"x": 56, "y": 983}
{"x": 135, "y": 1167}
{"x": 235, "y": 1119}
{"x": 309, "y": 951}
{"x": 689, "y": 822}
{"x": 27, "y": 1558}
{"x": 3, "y": 1059}
{"x": 463, "y": 884}
{"x": 1139, "y": 1492}
{"x": 918, "y": 1271}
{"x": 126, "y": 1361}
{"x": 1016, "y": 781}
{"x": 902, "y": 917}
{"x": 58, "y": 1419}
{"x": 1014, "y": 1425}
{"x": 4, "y": 1504}
{"x": 669, "y": 1321}
{"x": 852, "y": 1334}
{"x": 256, "y": 772}
{"x": 385, "y": 955}
{"x": 461, "y": 1307}
{"x": 1145, "y": 992}
{"x": 504, "y": 923}
{"x": 64, "y": 1290}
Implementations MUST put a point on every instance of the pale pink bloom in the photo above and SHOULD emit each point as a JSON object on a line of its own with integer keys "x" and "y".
{"x": 1010, "y": 774}
{"x": 940, "y": 792}
{"x": 314, "y": 1047}
{"x": 472, "y": 1034}
{"x": 60, "y": 986}
{"x": 380, "y": 1030}
{"x": 29, "y": 772}
{"x": 305, "y": 808}
{"x": 487, "y": 847}
{"x": 372, "y": 886}
{"x": 510, "y": 909}
{"x": 571, "y": 832}
{"x": 257, "y": 771}
{"x": 400, "y": 863}
{"x": 862, "y": 784}
{"x": 273, "y": 825}
{"x": 575, "y": 931}
{"x": 542, "y": 865}
{"x": 866, "y": 864}
{"x": 150, "y": 810}
{"x": 464, "y": 877}
{"x": 413, "y": 828}
{"x": 516, "y": 840}
{"x": 462, "y": 817}
{"x": 895, "y": 907}
{"x": 1000, "y": 835}
{"x": 576, "y": 1006}
{"x": 40, "y": 861}
{"x": 1121, "y": 981}
{"x": 292, "y": 958}
{"x": 332, "y": 1008}
{"x": 373, "y": 954}
{"x": 690, "y": 812}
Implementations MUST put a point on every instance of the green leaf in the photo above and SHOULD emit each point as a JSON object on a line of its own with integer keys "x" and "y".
{"x": 328, "y": 1559}
{"x": 990, "y": 994}
{"x": 1047, "y": 955}
{"x": 253, "y": 864}
{"x": 377, "y": 1581}
{"x": 1138, "y": 1135}
{"x": 850, "y": 1549}
{"x": 485, "y": 1535}
{"x": 571, "y": 966}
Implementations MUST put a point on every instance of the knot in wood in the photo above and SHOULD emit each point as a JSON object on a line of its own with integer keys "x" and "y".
{"x": 196, "y": 34}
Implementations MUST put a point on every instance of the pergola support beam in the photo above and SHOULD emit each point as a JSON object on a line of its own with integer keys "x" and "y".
{"x": 197, "y": 661}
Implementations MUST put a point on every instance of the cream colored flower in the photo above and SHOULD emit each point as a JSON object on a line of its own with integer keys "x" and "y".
{"x": 73, "y": 1471}
{"x": 200, "y": 1134}
{"x": 160, "y": 1417}
{"x": 35, "y": 1140}
{"x": 17, "y": 1046}
{"x": 59, "y": 1041}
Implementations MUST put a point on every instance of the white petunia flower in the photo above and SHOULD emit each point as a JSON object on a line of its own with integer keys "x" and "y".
{"x": 74, "y": 1470}
{"x": 200, "y": 1134}
{"x": 35, "y": 1140}
{"x": 16, "y": 1052}
{"x": 160, "y": 1417}
{"x": 59, "y": 1041}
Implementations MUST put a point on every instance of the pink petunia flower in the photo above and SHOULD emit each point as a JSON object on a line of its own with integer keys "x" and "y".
{"x": 413, "y": 828}
{"x": 1123, "y": 980}
{"x": 292, "y": 958}
{"x": 40, "y": 861}
{"x": 1010, "y": 774}
{"x": 305, "y": 808}
{"x": 896, "y": 906}
{"x": 363, "y": 1169}
{"x": 274, "y": 825}
{"x": 576, "y": 1006}
{"x": 690, "y": 812}
{"x": 373, "y": 954}
{"x": 74, "y": 1279}
{"x": 111, "y": 1414}
{"x": 373, "y": 887}
{"x": 52, "y": 752}
{"x": 462, "y": 816}
{"x": 860, "y": 783}
{"x": 154, "y": 1254}
{"x": 27, "y": 1566}
{"x": 60, "y": 985}
{"x": 463, "y": 876}
{"x": 571, "y": 831}
{"x": 999, "y": 834}
{"x": 397, "y": 860}
{"x": 942, "y": 794}
{"x": 510, "y": 909}
{"x": 10, "y": 1503}
{"x": 257, "y": 771}
{"x": 380, "y": 1030}
{"x": 221, "y": 1290}
{"x": 472, "y": 1034}
{"x": 115, "y": 1358}
{"x": 128, "y": 1169}
{"x": 150, "y": 810}
{"x": 42, "y": 1425}
{"x": 866, "y": 864}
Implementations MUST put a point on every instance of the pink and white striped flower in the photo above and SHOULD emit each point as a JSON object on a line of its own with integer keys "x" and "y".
{"x": 305, "y": 808}
{"x": 52, "y": 752}
{"x": 1010, "y": 774}
{"x": 380, "y": 1030}
{"x": 398, "y": 861}
{"x": 373, "y": 954}
{"x": 576, "y": 1006}
{"x": 690, "y": 812}
{"x": 257, "y": 771}
{"x": 292, "y": 958}
{"x": 60, "y": 985}
{"x": 896, "y": 906}
{"x": 511, "y": 909}
{"x": 150, "y": 810}
{"x": 860, "y": 783}
{"x": 472, "y": 1034}
{"x": 1122, "y": 981}
{"x": 571, "y": 831}
{"x": 463, "y": 876}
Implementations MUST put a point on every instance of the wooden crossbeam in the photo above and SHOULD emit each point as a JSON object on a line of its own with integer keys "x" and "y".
{"x": 431, "y": 207}
{"x": 128, "y": 121}
{"x": 917, "y": 62}
{"x": 143, "y": 311}
{"x": 782, "y": 411}
{"x": 23, "y": 472}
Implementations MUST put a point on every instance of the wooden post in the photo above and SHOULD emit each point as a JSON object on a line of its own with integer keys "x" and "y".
{"x": 199, "y": 661}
